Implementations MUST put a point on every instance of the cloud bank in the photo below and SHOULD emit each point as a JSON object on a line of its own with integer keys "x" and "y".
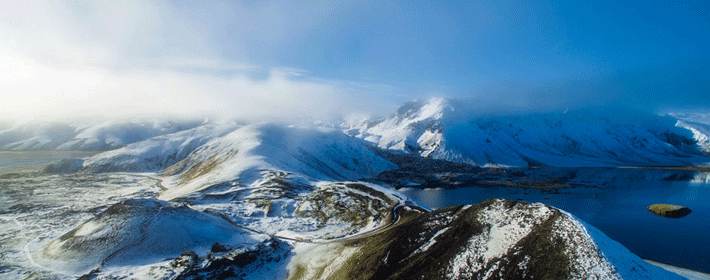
{"x": 78, "y": 59}
{"x": 246, "y": 59}
{"x": 41, "y": 91}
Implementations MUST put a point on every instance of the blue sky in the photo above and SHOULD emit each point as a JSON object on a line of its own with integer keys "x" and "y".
{"x": 265, "y": 58}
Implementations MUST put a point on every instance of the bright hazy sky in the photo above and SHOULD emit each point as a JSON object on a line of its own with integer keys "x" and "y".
{"x": 78, "y": 58}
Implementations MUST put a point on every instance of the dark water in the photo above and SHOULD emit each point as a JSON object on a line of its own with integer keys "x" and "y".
{"x": 615, "y": 202}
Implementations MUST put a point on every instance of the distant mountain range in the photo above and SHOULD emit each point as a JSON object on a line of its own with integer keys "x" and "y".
{"x": 284, "y": 202}
{"x": 449, "y": 130}
{"x": 86, "y": 136}
{"x": 269, "y": 200}
{"x": 435, "y": 128}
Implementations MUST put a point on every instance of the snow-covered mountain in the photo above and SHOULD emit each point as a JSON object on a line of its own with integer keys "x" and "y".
{"x": 279, "y": 201}
{"x": 86, "y": 136}
{"x": 497, "y": 239}
{"x": 36, "y": 136}
{"x": 157, "y": 153}
{"x": 699, "y": 124}
{"x": 450, "y": 130}
{"x": 120, "y": 235}
{"x": 438, "y": 128}
{"x": 205, "y": 156}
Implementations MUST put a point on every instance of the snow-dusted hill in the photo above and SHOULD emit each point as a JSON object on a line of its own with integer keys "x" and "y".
{"x": 497, "y": 239}
{"x": 699, "y": 124}
{"x": 450, "y": 130}
{"x": 36, "y": 136}
{"x": 283, "y": 202}
{"x": 244, "y": 154}
{"x": 157, "y": 153}
{"x": 86, "y": 136}
{"x": 140, "y": 232}
{"x": 208, "y": 155}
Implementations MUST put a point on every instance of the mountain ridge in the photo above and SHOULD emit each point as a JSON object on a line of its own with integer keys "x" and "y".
{"x": 448, "y": 130}
{"x": 304, "y": 202}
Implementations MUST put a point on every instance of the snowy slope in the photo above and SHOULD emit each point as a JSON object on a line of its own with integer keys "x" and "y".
{"x": 86, "y": 136}
{"x": 497, "y": 239}
{"x": 270, "y": 201}
{"x": 244, "y": 154}
{"x": 115, "y": 134}
{"x": 414, "y": 128}
{"x": 448, "y": 130}
{"x": 156, "y": 153}
{"x": 139, "y": 232}
{"x": 35, "y": 136}
{"x": 699, "y": 124}
{"x": 267, "y": 175}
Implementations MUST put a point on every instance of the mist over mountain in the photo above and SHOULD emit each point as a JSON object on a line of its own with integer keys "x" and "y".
{"x": 454, "y": 131}
{"x": 438, "y": 128}
{"x": 87, "y": 135}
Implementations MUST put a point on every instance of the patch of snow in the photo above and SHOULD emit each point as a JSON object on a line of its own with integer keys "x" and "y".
{"x": 701, "y": 178}
{"x": 429, "y": 242}
{"x": 319, "y": 261}
{"x": 701, "y": 133}
{"x": 505, "y": 227}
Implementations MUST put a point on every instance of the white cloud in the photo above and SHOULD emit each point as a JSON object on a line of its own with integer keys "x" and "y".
{"x": 36, "y": 90}
{"x": 97, "y": 58}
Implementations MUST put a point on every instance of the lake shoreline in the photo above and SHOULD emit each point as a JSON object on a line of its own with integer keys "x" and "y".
{"x": 682, "y": 271}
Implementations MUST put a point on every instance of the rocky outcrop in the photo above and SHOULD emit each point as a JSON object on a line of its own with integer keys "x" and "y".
{"x": 669, "y": 210}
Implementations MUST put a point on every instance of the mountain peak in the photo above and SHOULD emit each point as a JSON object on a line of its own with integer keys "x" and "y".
{"x": 453, "y": 131}
{"x": 432, "y": 108}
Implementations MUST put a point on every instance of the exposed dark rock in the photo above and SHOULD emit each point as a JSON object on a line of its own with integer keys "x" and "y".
{"x": 187, "y": 260}
{"x": 236, "y": 263}
{"x": 218, "y": 248}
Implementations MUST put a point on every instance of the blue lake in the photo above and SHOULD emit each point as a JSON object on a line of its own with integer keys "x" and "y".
{"x": 615, "y": 201}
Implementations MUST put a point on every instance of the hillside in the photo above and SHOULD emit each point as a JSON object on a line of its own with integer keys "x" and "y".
{"x": 86, "y": 136}
{"x": 271, "y": 200}
{"x": 496, "y": 239}
{"x": 699, "y": 124}
{"x": 448, "y": 130}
